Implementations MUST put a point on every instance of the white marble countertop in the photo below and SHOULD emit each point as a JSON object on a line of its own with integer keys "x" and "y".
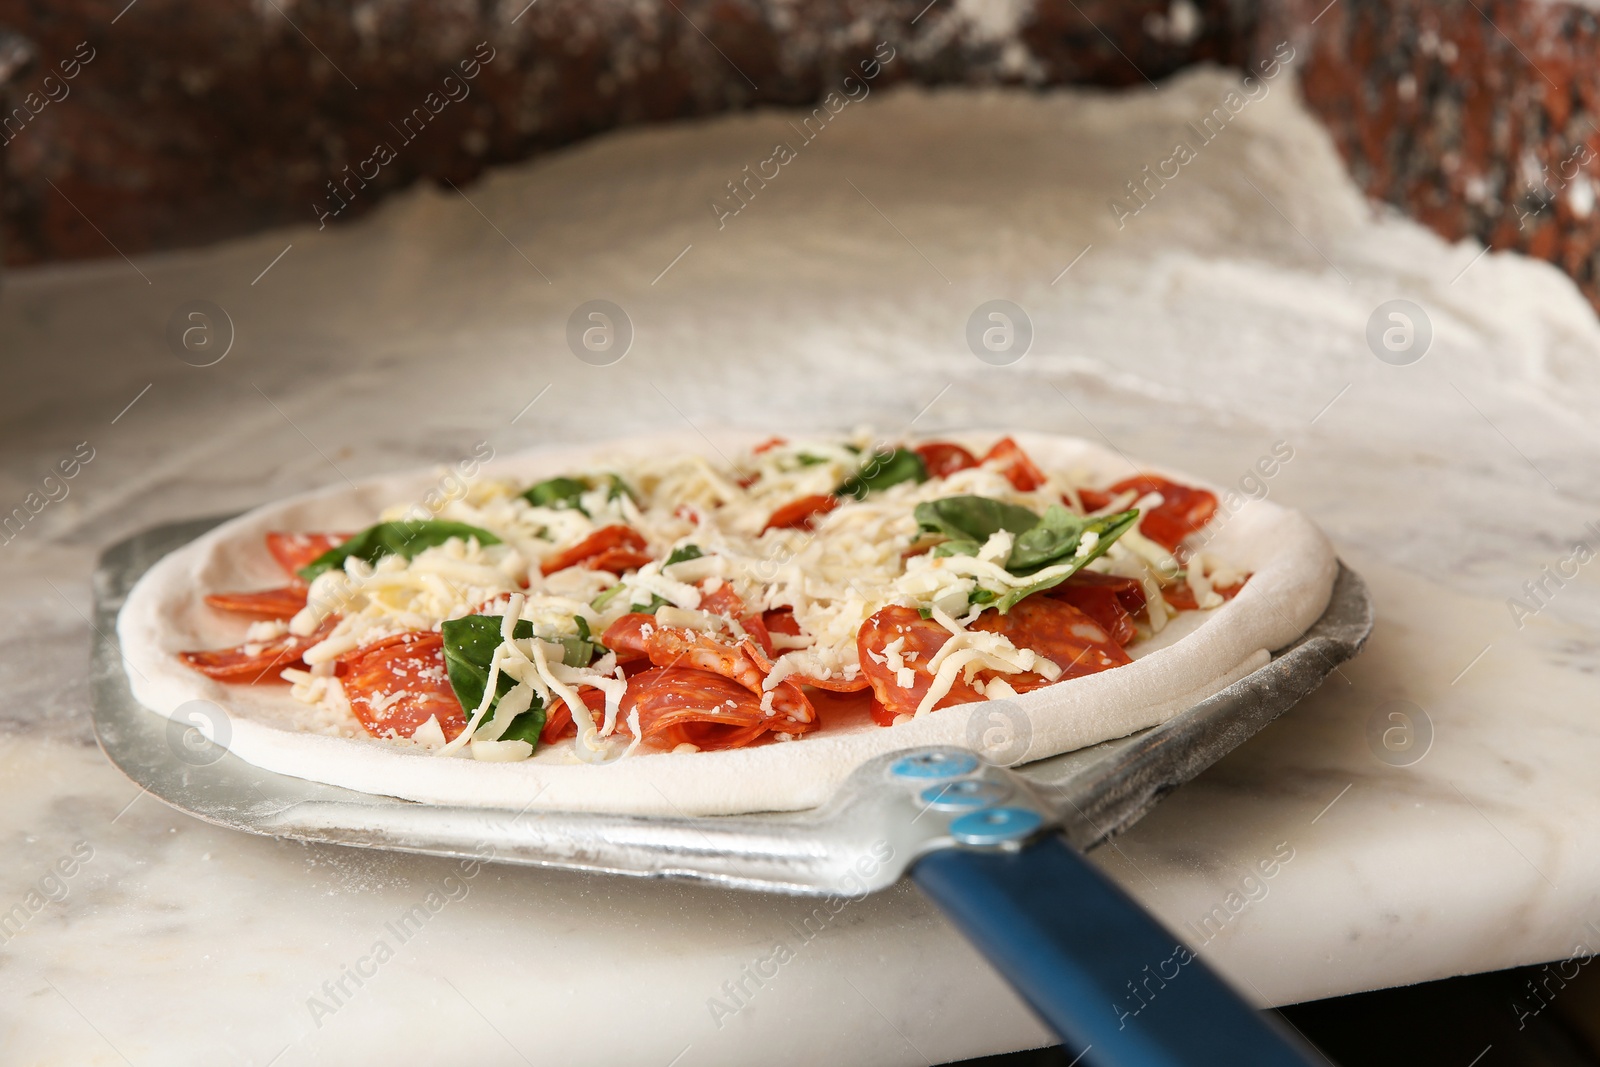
{"x": 1230, "y": 313}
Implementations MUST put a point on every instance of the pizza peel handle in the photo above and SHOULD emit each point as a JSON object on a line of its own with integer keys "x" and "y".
{"x": 1100, "y": 971}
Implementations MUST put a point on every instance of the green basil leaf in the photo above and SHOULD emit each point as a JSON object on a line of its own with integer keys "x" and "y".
{"x": 577, "y": 651}
{"x": 1056, "y": 538}
{"x": 806, "y": 459}
{"x": 599, "y": 603}
{"x": 655, "y": 605}
{"x": 881, "y": 470}
{"x": 619, "y": 488}
{"x": 682, "y": 554}
{"x": 607, "y": 596}
{"x": 1106, "y": 529}
{"x": 582, "y": 650}
{"x": 469, "y": 645}
{"x": 527, "y": 726}
{"x": 973, "y": 518}
{"x": 557, "y": 493}
{"x": 1038, "y": 542}
{"x": 404, "y": 538}
{"x": 567, "y": 492}
{"x": 1056, "y": 535}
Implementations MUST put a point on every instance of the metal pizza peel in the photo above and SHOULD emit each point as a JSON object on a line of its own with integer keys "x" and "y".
{"x": 999, "y": 849}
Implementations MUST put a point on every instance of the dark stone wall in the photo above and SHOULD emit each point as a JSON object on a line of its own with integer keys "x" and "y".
{"x": 188, "y": 121}
{"x": 194, "y": 120}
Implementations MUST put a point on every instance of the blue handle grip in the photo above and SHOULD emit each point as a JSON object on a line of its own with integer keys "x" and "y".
{"x": 1103, "y": 974}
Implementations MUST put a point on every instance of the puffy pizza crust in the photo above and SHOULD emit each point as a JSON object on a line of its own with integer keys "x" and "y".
{"x": 1197, "y": 655}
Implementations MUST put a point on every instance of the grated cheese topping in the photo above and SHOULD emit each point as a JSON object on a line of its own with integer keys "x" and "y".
{"x": 851, "y": 562}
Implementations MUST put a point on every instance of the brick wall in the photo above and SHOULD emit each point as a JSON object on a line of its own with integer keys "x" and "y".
{"x": 188, "y": 121}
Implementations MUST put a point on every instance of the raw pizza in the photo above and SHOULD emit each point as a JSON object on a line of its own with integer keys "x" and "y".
{"x": 672, "y": 620}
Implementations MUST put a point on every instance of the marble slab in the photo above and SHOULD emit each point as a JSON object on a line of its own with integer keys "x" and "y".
{"x": 1229, "y": 314}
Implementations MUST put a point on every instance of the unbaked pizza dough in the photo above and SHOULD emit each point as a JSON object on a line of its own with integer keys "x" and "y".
{"x": 1199, "y": 653}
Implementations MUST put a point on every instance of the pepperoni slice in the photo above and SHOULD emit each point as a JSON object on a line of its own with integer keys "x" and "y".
{"x": 832, "y": 685}
{"x": 626, "y": 636}
{"x": 292, "y": 551}
{"x": 943, "y": 458}
{"x": 396, "y": 686}
{"x": 1110, "y": 600}
{"x": 346, "y": 659}
{"x": 1014, "y": 463}
{"x": 281, "y": 603}
{"x": 618, "y": 560}
{"x": 558, "y": 720}
{"x": 743, "y": 663}
{"x": 257, "y": 662}
{"x": 781, "y": 621}
{"x": 558, "y": 723}
{"x": 1057, "y": 631}
{"x": 1094, "y": 499}
{"x": 596, "y": 544}
{"x": 1181, "y": 596}
{"x": 799, "y": 513}
{"x": 725, "y": 601}
{"x": 678, "y": 705}
{"x": 922, "y": 638}
{"x": 638, "y": 636}
{"x": 1182, "y": 510}
{"x": 843, "y": 708}
{"x": 756, "y": 627}
{"x": 295, "y": 550}
{"x": 1128, "y": 591}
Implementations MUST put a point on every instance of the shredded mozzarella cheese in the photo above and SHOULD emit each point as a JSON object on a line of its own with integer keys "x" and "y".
{"x": 852, "y": 562}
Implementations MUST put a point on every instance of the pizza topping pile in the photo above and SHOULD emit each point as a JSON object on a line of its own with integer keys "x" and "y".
{"x": 681, "y": 605}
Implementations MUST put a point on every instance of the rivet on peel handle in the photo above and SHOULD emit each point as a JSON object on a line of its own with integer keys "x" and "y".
{"x": 926, "y": 766}
{"x": 965, "y": 794}
{"x": 995, "y": 826}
